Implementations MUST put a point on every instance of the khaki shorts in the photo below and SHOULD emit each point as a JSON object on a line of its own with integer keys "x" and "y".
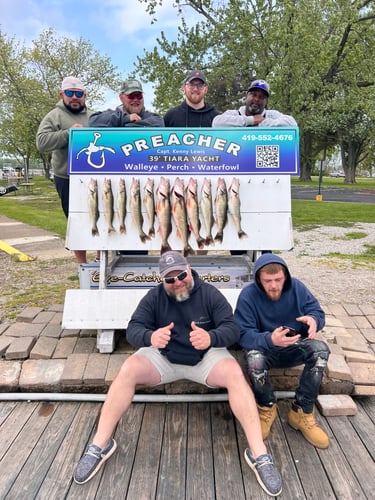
{"x": 170, "y": 372}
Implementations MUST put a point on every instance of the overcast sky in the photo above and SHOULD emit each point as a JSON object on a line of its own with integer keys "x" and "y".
{"x": 120, "y": 29}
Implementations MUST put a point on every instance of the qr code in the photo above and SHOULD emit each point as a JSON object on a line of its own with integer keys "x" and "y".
{"x": 267, "y": 157}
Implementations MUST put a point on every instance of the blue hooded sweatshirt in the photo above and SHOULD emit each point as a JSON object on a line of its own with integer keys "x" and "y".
{"x": 257, "y": 315}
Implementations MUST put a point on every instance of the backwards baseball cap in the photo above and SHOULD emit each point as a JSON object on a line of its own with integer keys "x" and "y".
{"x": 260, "y": 85}
{"x": 130, "y": 86}
{"x": 71, "y": 82}
{"x": 171, "y": 261}
{"x": 195, "y": 74}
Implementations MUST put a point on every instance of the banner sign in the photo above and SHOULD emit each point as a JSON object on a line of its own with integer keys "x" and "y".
{"x": 185, "y": 151}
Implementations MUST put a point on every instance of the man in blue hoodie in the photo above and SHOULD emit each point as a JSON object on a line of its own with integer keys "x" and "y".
{"x": 182, "y": 327}
{"x": 278, "y": 318}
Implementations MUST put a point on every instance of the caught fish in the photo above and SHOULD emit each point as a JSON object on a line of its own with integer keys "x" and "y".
{"x": 149, "y": 202}
{"x": 136, "y": 209}
{"x": 163, "y": 213}
{"x": 121, "y": 204}
{"x": 108, "y": 205}
{"x": 221, "y": 208}
{"x": 192, "y": 208}
{"x": 93, "y": 206}
{"x": 234, "y": 206}
{"x": 179, "y": 214}
{"x": 207, "y": 210}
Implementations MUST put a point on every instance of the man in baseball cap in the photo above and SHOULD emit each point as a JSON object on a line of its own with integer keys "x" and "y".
{"x": 130, "y": 113}
{"x": 255, "y": 112}
{"x": 194, "y": 111}
{"x": 53, "y": 136}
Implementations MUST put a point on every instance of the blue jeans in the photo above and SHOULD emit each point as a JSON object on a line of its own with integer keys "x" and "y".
{"x": 312, "y": 353}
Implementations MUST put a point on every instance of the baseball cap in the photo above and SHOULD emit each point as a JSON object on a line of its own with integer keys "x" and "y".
{"x": 261, "y": 85}
{"x": 195, "y": 74}
{"x": 171, "y": 261}
{"x": 71, "y": 82}
{"x": 130, "y": 86}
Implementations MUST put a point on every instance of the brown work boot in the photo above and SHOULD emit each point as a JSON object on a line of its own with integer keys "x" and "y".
{"x": 267, "y": 415}
{"x": 306, "y": 423}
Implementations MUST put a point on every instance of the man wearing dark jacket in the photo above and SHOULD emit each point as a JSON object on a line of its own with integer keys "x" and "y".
{"x": 182, "y": 327}
{"x": 131, "y": 113}
{"x": 278, "y": 318}
{"x": 194, "y": 111}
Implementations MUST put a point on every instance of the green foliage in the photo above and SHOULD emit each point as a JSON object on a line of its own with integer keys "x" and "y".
{"x": 317, "y": 56}
{"x": 30, "y": 79}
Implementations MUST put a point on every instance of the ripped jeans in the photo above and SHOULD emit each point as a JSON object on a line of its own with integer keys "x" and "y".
{"x": 312, "y": 353}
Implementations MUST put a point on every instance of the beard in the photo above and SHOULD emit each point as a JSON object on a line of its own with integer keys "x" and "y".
{"x": 75, "y": 110}
{"x": 181, "y": 296}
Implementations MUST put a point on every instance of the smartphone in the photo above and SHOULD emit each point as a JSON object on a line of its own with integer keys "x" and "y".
{"x": 292, "y": 332}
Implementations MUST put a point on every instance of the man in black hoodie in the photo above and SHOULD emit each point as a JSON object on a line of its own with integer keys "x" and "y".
{"x": 194, "y": 111}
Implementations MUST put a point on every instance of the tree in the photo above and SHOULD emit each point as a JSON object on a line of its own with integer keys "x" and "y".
{"x": 30, "y": 79}
{"x": 307, "y": 50}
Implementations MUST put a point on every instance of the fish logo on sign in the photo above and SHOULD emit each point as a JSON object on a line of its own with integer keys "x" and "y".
{"x": 93, "y": 149}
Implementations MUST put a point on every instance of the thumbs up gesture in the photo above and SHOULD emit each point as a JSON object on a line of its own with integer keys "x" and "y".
{"x": 161, "y": 336}
{"x": 199, "y": 338}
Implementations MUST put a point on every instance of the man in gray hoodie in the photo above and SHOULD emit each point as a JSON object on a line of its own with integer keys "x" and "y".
{"x": 53, "y": 136}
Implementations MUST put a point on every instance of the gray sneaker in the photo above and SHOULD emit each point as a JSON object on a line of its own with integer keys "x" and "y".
{"x": 266, "y": 473}
{"x": 92, "y": 460}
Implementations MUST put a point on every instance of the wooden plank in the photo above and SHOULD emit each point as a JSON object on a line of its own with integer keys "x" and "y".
{"x": 6, "y": 409}
{"x": 172, "y": 472}
{"x": 59, "y": 478}
{"x": 337, "y": 467}
{"x": 143, "y": 481}
{"x": 21, "y": 447}
{"x": 12, "y": 426}
{"x": 364, "y": 427}
{"x": 227, "y": 470}
{"x": 368, "y": 404}
{"x": 37, "y": 464}
{"x": 118, "y": 470}
{"x": 277, "y": 446}
{"x": 363, "y": 465}
{"x": 200, "y": 481}
{"x": 306, "y": 459}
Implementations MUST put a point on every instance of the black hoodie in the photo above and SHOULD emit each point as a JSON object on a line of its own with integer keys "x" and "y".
{"x": 186, "y": 116}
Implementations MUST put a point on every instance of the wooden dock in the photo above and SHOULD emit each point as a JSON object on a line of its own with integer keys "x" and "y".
{"x": 176, "y": 451}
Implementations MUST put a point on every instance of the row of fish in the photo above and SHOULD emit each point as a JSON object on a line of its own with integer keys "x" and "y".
{"x": 177, "y": 202}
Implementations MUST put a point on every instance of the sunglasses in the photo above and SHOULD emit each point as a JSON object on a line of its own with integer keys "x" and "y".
{"x": 70, "y": 93}
{"x": 171, "y": 279}
{"x": 135, "y": 95}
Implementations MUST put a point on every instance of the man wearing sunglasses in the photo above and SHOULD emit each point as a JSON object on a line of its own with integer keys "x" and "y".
{"x": 130, "y": 113}
{"x": 53, "y": 135}
{"x": 193, "y": 111}
{"x": 183, "y": 327}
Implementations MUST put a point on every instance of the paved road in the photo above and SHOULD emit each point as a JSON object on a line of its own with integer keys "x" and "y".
{"x": 334, "y": 194}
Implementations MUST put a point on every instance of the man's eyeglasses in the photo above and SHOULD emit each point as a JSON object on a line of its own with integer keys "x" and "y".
{"x": 70, "y": 93}
{"x": 196, "y": 85}
{"x": 135, "y": 95}
{"x": 171, "y": 279}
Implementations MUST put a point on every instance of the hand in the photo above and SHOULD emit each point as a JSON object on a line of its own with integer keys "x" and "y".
{"x": 311, "y": 323}
{"x": 77, "y": 125}
{"x": 280, "y": 339}
{"x": 134, "y": 117}
{"x": 257, "y": 120}
{"x": 162, "y": 336}
{"x": 199, "y": 338}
